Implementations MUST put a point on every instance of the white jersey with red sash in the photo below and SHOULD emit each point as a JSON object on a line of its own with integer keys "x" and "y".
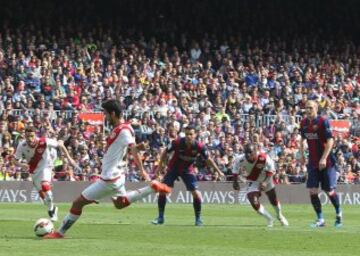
{"x": 114, "y": 160}
{"x": 39, "y": 157}
{"x": 256, "y": 171}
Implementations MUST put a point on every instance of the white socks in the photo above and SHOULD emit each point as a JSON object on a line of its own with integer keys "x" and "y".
{"x": 139, "y": 193}
{"x": 263, "y": 212}
{"x": 68, "y": 221}
{"x": 48, "y": 200}
{"x": 277, "y": 209}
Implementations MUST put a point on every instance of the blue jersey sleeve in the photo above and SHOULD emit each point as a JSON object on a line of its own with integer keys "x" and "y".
{"x": 327, "y": 129}
{"x": 171, "y": 146}
{"x": 302, "y": 128}
{"x": 204, "y": 152}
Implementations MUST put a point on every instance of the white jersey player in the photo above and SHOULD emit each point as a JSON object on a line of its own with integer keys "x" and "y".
{"x": 39, "y": 156}
{"x": 114, "y": 165}
{"x": 258, "y": 169}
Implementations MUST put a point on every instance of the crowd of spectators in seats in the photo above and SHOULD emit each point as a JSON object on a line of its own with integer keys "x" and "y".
{"x": 240, "y": 71}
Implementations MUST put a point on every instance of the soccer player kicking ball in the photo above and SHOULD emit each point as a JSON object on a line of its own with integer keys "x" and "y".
{"x": 38, "y": 153}
{"x": 259, "y": 169}
{"x": 112, "y": 180}
{"x": 316, "y": 131}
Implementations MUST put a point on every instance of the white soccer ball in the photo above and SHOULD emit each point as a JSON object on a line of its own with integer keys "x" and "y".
{"x": 43, "y": 227}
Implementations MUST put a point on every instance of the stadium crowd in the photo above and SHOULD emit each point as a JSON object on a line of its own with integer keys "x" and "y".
{"x": 246, "y": 83}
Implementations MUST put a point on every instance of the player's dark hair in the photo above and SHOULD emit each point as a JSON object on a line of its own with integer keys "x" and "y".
{"x": 249, "y": 148}
{"x": 30, "y": 129}
{"x": 190, "y": 127}
{"x": 112, "y": 106}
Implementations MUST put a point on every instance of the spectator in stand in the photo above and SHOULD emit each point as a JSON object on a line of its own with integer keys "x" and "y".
{"x": 207, "y": 67}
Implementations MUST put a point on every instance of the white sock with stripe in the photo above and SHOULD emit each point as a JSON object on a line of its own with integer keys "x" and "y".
{"x": 48, "y": 200}
{"x": 138, "y": 194}
{"x": 68, "y": 221}
{"x": 263, "y": 212}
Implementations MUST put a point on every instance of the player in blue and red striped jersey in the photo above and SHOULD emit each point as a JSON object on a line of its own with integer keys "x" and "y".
{"x": 257, "y": 168}
{"x": 185, "y": 152}
{"x": 316, "y": 131}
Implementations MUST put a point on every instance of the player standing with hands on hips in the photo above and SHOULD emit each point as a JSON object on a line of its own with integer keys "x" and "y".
{"x": 316, "y": 131}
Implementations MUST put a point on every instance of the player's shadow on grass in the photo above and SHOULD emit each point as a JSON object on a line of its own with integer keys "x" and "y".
{"x": 211, "y": 225}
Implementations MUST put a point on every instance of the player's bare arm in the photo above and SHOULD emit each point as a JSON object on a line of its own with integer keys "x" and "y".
{"x": 66, "y": 152}
{"x": 302, "y": 156}
{"x": 235, "y": 171}
{"x": 23, "y": 166}
{"x": 163, "y": 160}
{"x": 328, "y": 147}
{"x": 236, "y": 184}
{"x": 264, "y": 183}
{"x": 135, "y": 152}
{"x": 214, "y": 166}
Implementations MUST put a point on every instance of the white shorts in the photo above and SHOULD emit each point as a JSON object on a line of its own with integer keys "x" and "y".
{"x": 100, "y": 189}
{"x": 40, "y": 176}
{"x": 253, "y": 186}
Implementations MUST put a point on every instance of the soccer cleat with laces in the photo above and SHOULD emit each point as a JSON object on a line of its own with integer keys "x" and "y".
{"x": 158, "y": 221}
{"x": 53, "y": 214}
{"x": 160, "y": 187}
{"x": 53, "y": 235}
{"x": 338, "y": 221}
{"x": 199, "y": 222}
{"x": 283, "y": 221}
{"x": 270, "y": 223}
{"x": 318, "y": 224}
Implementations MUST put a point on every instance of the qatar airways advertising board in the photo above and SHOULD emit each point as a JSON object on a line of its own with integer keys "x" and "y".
{"x": 212, "y": 193}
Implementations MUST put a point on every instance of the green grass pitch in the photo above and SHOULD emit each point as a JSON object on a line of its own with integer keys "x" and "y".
{"x": 228, "y": 230}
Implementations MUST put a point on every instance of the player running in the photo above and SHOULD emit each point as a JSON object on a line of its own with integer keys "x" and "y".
{"x": 258, "y": 171}
{"x": 39, "y": 156}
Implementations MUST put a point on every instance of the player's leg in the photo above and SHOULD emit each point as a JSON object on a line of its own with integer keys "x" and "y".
{"x": 49, "y": 200}
{"x": 74, "y": 213}
{"x": 312, "y": 184}
{"x": 123, "y": 199}
{"x": 120, "y": 200}
{"x": 328, "y": 184}
{"x": 37, "y": 179}
{"x": 135, "y": 195}
{"x": 42, "y": 182}
{"x": 253, "y": 195}
{"x": 91, "y": 194}
{"x": 190, "y": 182}
{"x": 197, "y": 202}
{"x": 271, "y": 194}
{"x": 169, "y": 179}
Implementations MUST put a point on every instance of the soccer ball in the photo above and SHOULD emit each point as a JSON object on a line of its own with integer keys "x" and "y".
{"x": 43, "y": 227}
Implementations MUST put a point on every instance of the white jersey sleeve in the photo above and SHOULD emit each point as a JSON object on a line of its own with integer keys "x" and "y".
{"x": 269, "y": 165}
{"x": 20, "y": 150}
{"x": 52, "y": 143}
{"x": 236, "y": 164}
{"x": 126, "y": 137}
